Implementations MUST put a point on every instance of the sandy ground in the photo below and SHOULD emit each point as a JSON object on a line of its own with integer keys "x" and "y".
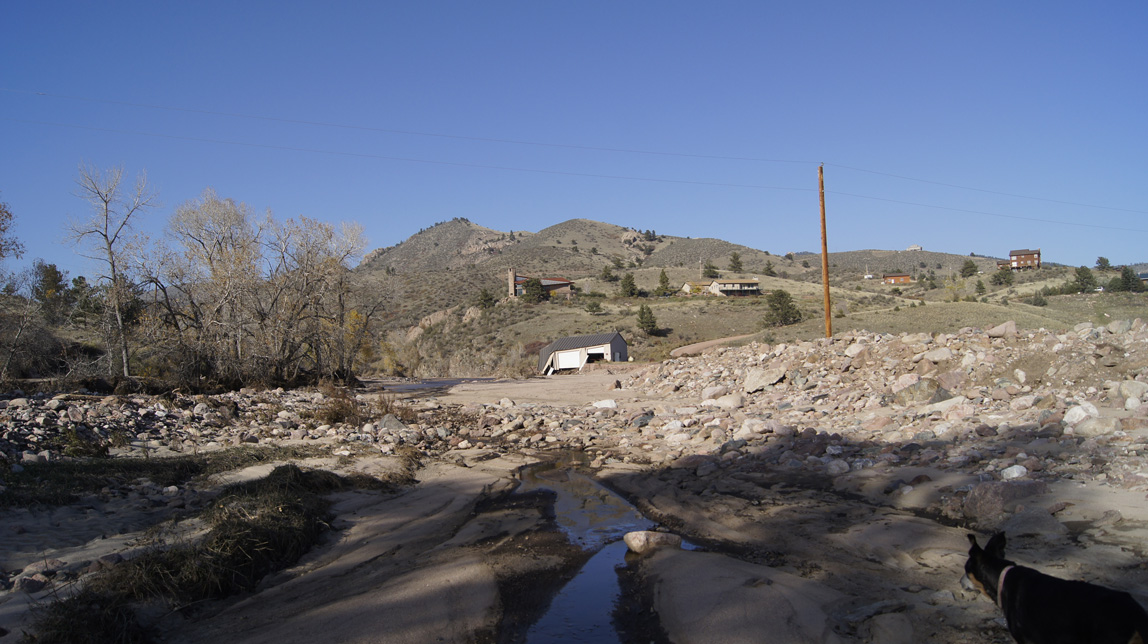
{"x": 801, "y": 561}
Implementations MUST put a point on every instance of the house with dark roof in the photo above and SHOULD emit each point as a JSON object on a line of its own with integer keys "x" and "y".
{"x": 576, "y": 351}
{"x": 516, "y": 285}
{"x": 1024, "y": 258}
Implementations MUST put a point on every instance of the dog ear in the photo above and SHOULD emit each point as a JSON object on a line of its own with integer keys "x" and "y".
{"x": 973, "y": 540}
{"x": 996, "y": 545}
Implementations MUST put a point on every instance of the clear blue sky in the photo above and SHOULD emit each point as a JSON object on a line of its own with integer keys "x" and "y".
{"x": 521, "y": 115}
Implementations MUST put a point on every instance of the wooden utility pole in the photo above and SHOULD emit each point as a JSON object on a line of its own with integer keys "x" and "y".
{"x": 824, "y": 252}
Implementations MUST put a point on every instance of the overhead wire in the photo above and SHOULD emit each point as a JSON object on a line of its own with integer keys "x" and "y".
{"x": 563, "y": 146}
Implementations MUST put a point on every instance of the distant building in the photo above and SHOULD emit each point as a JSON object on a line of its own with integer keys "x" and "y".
{"x": 1019, "y": 259}
{"x": 516, "y": 284}
{"x": 735, "y": 288}
{"x": 577, "y": 351}
{"x": 1143, "y": 277}
{"x": 915, "y": 247}
{"x": 695, "y": 288}
{"x": 1003, "y": 264}
{"x": 896, "y": 278}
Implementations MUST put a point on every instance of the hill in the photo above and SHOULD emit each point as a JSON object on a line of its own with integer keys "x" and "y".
{"x": 430, "y": 286}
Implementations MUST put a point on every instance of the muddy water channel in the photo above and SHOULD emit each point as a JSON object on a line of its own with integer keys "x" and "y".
{"x": 586, "y": 609}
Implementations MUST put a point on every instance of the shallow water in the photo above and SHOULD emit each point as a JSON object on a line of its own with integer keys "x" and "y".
{"x": 596, "y": 519}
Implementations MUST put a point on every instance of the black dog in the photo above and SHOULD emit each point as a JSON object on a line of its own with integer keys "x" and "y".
{"x": 1046, "y": 610}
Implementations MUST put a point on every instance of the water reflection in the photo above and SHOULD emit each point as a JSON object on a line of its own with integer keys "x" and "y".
{"x": 596, "y": 519}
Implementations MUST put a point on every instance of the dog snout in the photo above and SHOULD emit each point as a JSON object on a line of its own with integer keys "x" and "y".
{"x": 967, "y": 584}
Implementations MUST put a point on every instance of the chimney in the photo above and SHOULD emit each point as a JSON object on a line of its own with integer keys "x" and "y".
{"x": 512, "y": 277}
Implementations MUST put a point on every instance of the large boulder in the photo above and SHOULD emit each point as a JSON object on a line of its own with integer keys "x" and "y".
{"x": 988, "y": 503}
{"x": 759, "y": 379}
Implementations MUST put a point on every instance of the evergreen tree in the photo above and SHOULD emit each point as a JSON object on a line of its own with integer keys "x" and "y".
{"x": 709, "y": 271}
{"x": 485, "y": 299}
{"x": 646, "y": 320}
{"x": 663, "y": 284}
{"x": 735, "y": 262}
{"x": 533, "y": 292}
{"x": 782, "y": 310}
{"x": 769, "y": 272}
{"x": 1085, "y": 280}
{"x": 1102, "y": 264}
{"x": 969, "y": 268}
{"x": 627, "y": 288}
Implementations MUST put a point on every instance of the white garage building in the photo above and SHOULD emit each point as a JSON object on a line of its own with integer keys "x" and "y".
{"x": 575, "y": 351}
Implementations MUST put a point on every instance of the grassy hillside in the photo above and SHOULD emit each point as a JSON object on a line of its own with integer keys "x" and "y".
{"x": 430, "y": 286}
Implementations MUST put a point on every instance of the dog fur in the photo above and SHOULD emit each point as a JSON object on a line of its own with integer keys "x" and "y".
{"x": 1041, "y": 609}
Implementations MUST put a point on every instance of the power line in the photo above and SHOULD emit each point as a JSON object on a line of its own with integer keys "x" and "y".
{"x": 366, "y": 128}
{"x": 559, "y": 172}
{"x": 559, "y": 145}
{"x": 990, "y": 214}
{"x": 410, "y": 159}
{"x": 991, "y": 192}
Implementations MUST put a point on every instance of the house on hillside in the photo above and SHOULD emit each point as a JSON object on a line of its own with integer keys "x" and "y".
{"x": 735, "y": 288}
{"x": 896, "y": 278}
{"x": 1019, "y": 259}
{"x": 1143, "y": 277}
{"x": 914, "y": 247}
{"x": 695, "y": 288}
{"x": 1003, "y": 264}
{"x": 577, "y": 351}
{"x": 516, "y": 284}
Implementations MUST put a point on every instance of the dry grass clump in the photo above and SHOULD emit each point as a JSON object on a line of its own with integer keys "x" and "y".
{"x": 256, "y": 528}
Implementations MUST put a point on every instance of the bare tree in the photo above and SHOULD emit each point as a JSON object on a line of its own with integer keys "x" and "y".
{"x": 9, "y": 245}
{"x": 108, "y": 233}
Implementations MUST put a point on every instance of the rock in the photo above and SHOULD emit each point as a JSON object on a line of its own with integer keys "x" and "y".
{"x": 32, "y": 584}
{"x": 644, "y": 541}
{"x": 1006, "y": 330}
{"x": 606, "y": 404}
{"x": 940, "y": 354}
{"x": 1080, "y": 412}
{"x": 1134, "y": 389}
{"x": 987, "y": 502}
{"x": 391, "y": 422}
{"x": 718, "y": 391}
{"x": 1093, "y": 427}
{"x": 759, "y": 379}
{"x": 730, "y": 401}
{"x": 836, "y": 467}
{"x": 1014, "y": 472}
{"x": 918, "y": 392}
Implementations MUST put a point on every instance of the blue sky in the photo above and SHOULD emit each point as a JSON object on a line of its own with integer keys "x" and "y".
{"x": 963, "y": 127}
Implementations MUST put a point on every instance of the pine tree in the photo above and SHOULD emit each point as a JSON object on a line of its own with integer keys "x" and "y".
{"x": 646, "y": 320}
{"x": 782, "y": 310}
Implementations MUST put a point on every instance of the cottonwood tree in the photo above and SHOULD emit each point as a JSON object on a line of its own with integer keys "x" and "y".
{"x": 109, "y": 233}
{"x": 245, "y": 299}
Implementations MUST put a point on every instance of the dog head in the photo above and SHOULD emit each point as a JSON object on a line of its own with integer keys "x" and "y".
{"x": 984, "y": 565}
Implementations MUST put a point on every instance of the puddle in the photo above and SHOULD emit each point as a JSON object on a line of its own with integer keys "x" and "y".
{"x": 595, "y": 519}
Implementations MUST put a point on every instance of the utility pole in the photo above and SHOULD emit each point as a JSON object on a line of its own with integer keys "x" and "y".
{"x": 824, "y": 252}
